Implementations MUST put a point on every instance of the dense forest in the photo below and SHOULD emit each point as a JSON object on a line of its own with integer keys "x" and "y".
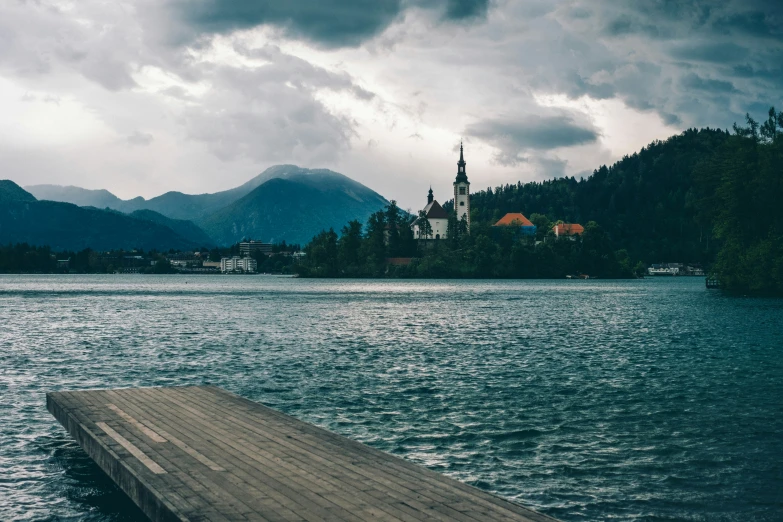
{"x": 705, "y": 196}
{"x": 385, "y": 247}
{"x": 647, "y": 202}
{"x": 30, "y": 259}
{"x": 742, "y": 188}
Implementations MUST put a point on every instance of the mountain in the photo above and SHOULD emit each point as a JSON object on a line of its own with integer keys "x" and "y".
{"x": 175, "y": 205}
{"x": 65, "y": 226}
{"x": 197, "y": 207}
{"x": 10, "y": 191}
{"x": 82, "y": 197}
{"x": 186, "y": 229}
{"x": 294, "y": 205}
{"x": 330, "y": 200}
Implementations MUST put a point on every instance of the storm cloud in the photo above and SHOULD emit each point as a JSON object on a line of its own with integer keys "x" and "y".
{"x": 515, "y": 136}
{"x": 330, "y": 23}
{"x": 381, "y": 91}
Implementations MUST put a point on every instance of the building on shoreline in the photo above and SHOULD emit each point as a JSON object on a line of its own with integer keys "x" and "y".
{"x": 246, "y": 265}
{"x": 248, "y": 248}
{"x": 675, "y": 269}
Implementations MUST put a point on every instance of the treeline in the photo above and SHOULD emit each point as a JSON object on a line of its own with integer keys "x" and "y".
{"x": 22, "y": 258}
{"x": 743, "y": 187}
{"x": 360, "y": 251}
{"x": 385, "y": 247}
{"x": 25, "y": 258}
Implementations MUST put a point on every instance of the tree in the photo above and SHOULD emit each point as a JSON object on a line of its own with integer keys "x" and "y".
{"x": 747, "y": 194}
{"x": 597, "y": 256}
{"x": 542, "y": 223}
{"x": 348, "y": 247}
{"x": 769, "y": 129}
{"x": 162, "y": 266}
{"x": 374, "y": 248}
{"x": 393, "y": 222}
{"x": 322, "y": 254}
{"x": 407, "y": 241}
{"x": 425, "y": 228}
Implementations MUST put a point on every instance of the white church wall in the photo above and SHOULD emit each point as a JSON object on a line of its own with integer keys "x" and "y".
{"x": 440, "y": 227}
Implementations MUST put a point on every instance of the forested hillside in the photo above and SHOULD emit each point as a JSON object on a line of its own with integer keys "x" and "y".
{"x": 647, "y": 202}
{"x": 11, "y": 192}
{"x": 743, "y": 187}
{"x": 63, "y": 226}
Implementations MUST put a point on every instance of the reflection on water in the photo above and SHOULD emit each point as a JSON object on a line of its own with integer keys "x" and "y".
{"x": 635, "y": 400}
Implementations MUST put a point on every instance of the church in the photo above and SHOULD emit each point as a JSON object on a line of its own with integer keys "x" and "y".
{"x": 437, "y": 219}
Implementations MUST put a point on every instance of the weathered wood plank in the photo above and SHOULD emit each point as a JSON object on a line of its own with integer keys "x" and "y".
{"x": 410, "y": 485}
{"x": 201, "y": 453}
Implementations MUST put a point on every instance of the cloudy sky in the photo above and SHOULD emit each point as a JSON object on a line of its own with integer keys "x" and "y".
{"x": 141, "y": 97}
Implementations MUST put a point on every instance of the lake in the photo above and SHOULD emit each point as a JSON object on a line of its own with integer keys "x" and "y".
{"x": 646, "y": 400}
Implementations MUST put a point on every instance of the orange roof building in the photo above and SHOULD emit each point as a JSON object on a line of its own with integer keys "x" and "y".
{"x": 568, "y": 229}
{"x": 514, "y": 220}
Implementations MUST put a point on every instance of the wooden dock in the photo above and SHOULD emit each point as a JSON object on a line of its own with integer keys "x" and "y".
{"x": 201, "y": 453}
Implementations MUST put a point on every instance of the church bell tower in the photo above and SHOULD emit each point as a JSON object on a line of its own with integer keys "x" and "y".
{"x": 462, "y": 190}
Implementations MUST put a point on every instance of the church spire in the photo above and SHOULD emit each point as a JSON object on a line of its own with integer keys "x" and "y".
{"x": 462, "y": 177}
{"x": 430, "y": 196}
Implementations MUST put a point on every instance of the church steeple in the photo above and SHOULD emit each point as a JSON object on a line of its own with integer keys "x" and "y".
{"x": 429, "y": 196}
{"x": 462, "y": 190}
{"x": 462, "y": 177}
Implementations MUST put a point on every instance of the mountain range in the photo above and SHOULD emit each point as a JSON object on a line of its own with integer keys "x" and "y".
{"x": 283, "y": 203}
{"x": 65, "y": 226}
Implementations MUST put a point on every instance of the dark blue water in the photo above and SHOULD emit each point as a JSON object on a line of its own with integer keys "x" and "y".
{"x": 588, "y": 400}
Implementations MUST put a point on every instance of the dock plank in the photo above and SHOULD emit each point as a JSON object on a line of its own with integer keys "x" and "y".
{"x": 200, "y": 453}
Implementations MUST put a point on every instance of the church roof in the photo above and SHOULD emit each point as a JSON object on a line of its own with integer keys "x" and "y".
{"x": 514, "y": 219}
{"x": 435, "y": 211}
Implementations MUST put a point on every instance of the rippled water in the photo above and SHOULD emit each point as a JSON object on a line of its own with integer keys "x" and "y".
{"x": 638, "y": 400}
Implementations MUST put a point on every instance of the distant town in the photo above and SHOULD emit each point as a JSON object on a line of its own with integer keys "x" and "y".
{"x": 247, "y": 257}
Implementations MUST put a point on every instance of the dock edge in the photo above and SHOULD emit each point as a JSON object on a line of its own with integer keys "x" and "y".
{"x": 139, "y": 491}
